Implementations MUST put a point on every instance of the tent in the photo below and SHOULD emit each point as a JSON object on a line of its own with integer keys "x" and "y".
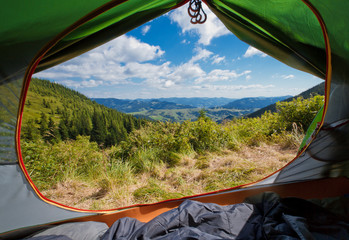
{"x": 309, "y": 35}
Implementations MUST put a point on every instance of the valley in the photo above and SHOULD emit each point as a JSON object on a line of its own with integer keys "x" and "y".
{"x": 182, "y": 109}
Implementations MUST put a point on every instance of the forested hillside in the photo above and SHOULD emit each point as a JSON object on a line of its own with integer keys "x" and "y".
{"x": 53, "y": 112}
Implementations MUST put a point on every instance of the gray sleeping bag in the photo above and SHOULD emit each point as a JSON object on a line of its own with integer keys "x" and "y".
{"x": 262, "y": 217}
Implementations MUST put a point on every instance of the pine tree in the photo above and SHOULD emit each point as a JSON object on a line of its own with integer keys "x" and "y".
{"x": 29, "y": 131}
{"x": 63, "y": 130}
{"x": 202, "y": 115}
{"x": 45, "y": 103}
{"x": 58, "y": 110}
{"x": 113, "y": 134}
{"x": 73, "y": 130}
{"x": 43, "y": 125}
{"x": 129, "y": 124}
{"x": 99, "y": 130}
{"x": 84, "y": 121}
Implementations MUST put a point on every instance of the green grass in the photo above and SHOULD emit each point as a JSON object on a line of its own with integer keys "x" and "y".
{"x": 154, "y": 191}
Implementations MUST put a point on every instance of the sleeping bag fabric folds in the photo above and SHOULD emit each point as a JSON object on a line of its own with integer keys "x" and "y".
{"x": 262, "y": 217}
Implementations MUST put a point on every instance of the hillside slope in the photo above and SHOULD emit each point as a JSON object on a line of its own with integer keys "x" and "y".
{"x": 54, "y": 112}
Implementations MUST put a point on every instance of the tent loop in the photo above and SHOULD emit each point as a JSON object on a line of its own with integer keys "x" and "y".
{"x": 196, "y": 12}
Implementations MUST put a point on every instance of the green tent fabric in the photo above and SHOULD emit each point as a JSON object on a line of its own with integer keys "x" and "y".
{"x": 36, "y": 35}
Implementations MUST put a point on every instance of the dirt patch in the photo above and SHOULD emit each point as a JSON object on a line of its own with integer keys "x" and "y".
{"x": 73, "y": 193}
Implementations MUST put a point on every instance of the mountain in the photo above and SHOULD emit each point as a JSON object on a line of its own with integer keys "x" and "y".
{"x": 181, "y": 109}
{"x": 253, "y": 103}
{"x": 54, "y": 112}
{"x": 198, "y": 102}
{"x": 180, "y": 115}
{"x": 138, "y": 105}
{"x": 316, "y": 90}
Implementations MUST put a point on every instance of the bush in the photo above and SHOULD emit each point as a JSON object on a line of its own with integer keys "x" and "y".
{"x": 166, "y": 142}
{"x": 299, "y": 111}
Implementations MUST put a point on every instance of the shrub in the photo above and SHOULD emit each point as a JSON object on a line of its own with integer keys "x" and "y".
{"x": 300, "y": 111}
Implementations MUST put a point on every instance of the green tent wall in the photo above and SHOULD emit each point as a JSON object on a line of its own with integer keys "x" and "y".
{"x": 311, "y": 36}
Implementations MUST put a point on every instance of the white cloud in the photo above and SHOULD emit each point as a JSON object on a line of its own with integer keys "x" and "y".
{"x": 284, "y": 76}
{"x": 287, "y": 76}
{"x": 217, "y": 59}
{"x": 251, "y": 51}
{"x": 145, "y": 29}
{"x": 217, "y": 75}
{"x": 204, "y": 54}
{"x": 160, "y": 84}
{"x": 69, "y": 83}
{"x": 146, "y": 71}
{"x": 201, "y": 54}
{"x": 233, "y": 87}
{"x": 82, "y": 84}
{"x": 115, "y": 62}
{"x": 169, "y": 83}
{"x": 129, "y": 49}
{"x": 54, "y": 75}
{"x": 187, "y": 71}
{"x": 212, "y": 28}
{"x": 91, "y": 83}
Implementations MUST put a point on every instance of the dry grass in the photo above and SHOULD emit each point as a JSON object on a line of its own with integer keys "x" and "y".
{"x": 194, "y": 175}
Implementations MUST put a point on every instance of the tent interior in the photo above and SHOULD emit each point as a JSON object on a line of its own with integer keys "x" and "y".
{"x": 309, "y": 35}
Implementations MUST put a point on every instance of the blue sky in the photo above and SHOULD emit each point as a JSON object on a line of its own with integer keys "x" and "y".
{"x": 169, "y": 57}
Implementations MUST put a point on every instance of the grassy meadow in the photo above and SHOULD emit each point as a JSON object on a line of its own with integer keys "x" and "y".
{"x": 164, "y": 160}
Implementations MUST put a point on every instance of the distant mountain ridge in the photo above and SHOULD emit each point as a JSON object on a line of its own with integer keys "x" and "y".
{"x": 129, "y": 106}
{"x": 163, "y": 109}
{"x": 198, "y": 102}
{"x": 254, "y": 102}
